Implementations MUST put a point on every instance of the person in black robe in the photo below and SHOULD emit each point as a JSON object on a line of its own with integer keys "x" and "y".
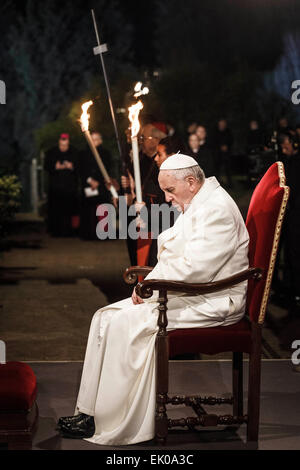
{"x": 167, "y": 147}
{"x": 204, "y": 156}
{"x": 283, "y": 128}
{"x": 256, "y": 140}
{"x": 94, "y": 190}
{"x": 256, "y": 146}
{"x": 223, "y": 141}
{"x": 193, "y": 146}
{"x": 152, "y": 134}
{"x": 61, "y": 164}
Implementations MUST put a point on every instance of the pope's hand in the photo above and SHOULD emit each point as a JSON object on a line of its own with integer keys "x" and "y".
{"x": 136, "y": 299}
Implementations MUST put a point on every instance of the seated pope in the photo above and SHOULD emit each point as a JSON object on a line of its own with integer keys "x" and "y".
{"x": 208, "y": 242}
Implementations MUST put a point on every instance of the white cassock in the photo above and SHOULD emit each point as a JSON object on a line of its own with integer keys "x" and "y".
{"x": 208, "y": 242}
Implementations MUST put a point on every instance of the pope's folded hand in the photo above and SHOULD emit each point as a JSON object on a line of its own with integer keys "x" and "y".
{"x": 136, "y": 299}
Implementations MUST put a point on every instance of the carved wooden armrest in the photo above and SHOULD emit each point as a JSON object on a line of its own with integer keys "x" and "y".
{"x": 145, "y": 288}
{"x": 131, "y": 274}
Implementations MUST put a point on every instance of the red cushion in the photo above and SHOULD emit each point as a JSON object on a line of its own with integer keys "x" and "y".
{"x": 267, "y": 203}
{"x": 213, "y": 340}
{"x": 17, "y": 387}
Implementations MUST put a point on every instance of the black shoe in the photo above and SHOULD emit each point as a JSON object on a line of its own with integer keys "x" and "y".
{"x": 70, "y": 419}
{"x": 80, "y": 429}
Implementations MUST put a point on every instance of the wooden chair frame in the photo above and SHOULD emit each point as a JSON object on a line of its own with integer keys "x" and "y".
{"x": 162, "y": 423}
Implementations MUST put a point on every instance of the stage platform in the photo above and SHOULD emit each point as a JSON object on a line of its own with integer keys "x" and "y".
{"x": 280, "y": 405}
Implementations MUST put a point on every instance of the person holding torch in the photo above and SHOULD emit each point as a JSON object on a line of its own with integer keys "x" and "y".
{"x": 94, "y": 190}
{"x": 148, "y": 140}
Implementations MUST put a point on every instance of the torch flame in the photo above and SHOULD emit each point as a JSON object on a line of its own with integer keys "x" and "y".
{"x": 139, "y": 90}
{"x": 138, "y": 86}
{"x": 84, "y": 118}
{"x": 134, "y": 111}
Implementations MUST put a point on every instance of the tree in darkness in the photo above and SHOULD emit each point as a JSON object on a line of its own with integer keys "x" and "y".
{"x": 49, "y": 55}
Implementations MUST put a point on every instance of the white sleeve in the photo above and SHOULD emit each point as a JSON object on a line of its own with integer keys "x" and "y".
{"x": 208, "y": 247}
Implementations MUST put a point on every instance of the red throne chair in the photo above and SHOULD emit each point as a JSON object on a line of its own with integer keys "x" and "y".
{"x": 18, "y": 408}
{"x": 264, "y": 221}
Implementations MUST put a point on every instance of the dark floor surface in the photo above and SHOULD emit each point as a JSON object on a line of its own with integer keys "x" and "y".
{"x": 51, "y": 287}
{"x": 280, "y": 405}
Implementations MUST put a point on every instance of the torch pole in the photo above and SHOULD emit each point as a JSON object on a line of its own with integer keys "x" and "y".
{"x": 99, "y": 50}
{"x": 136, "y": 167}
{"x": 100, "y": 163}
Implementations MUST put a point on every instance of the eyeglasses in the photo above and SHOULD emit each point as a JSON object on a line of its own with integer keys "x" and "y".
{"x": 142, "y": 138}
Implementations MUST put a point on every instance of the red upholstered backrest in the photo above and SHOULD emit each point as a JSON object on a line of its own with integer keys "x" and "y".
{"x": 264, "y": 221}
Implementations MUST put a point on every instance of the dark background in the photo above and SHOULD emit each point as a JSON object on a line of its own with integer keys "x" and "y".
{"x": 201, "y": 60}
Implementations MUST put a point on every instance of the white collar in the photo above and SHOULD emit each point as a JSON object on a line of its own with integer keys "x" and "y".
{"x": 209, "y": 185}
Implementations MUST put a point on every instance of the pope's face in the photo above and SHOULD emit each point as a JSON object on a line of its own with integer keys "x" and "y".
{"x": 179, "y": 192}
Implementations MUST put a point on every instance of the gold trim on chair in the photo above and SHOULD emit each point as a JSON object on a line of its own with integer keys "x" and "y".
{"x": 282, "y": 180}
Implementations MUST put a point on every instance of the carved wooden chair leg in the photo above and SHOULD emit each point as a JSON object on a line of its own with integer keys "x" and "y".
{"x": 237, "y": 383}
{"x": 162, "y": 371}
{"x": 161, "y": 420}
{"x": 254, "y": 387}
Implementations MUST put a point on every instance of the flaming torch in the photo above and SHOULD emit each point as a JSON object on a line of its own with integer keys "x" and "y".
{"x": 134, "y": 111}
{"x": 84, "y": 122}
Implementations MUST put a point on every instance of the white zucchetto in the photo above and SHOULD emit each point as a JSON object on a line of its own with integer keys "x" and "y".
{"x": 177, "y": 162}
